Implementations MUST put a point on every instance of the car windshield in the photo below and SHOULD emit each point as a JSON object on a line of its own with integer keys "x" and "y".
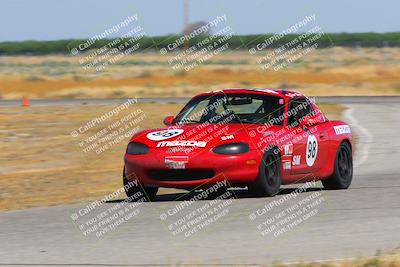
{"x": 233, "y": 108}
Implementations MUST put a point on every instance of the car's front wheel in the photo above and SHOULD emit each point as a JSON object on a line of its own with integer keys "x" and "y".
{"x": 269, "y": 180}
{"x": 136, "y": 191}
{"x": 343, "y": 169}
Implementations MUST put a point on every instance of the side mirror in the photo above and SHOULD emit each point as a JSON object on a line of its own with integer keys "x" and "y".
{"x": 308, "y": 121}
{"x": 168, "y": 120}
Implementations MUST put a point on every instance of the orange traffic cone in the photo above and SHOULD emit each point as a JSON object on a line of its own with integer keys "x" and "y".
{"x": 25, "y": 101}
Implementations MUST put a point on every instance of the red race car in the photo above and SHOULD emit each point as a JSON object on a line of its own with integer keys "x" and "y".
{"x": 254, "y": 138}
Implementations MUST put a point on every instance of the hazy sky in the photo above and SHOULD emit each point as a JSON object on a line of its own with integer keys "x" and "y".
{"x": 59, "y": 19}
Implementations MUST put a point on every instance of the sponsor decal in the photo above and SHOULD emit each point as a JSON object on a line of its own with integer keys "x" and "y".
{"x": 164, "y": 134}
{"x": 179, "y": 149}
{"x": 288, "y": 149}
{"x": 181, "y": 143}
{"x": 296, "y": 160}
{"x": 311, "y": 150}
{"x": 342, "y": 129}
{"x": 227, "y": 137}
{"x": 287, "y": 165}
{"x": 176, "y": 162}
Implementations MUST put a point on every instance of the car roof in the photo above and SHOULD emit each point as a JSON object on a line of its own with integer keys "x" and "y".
{"x": 276, "y": 92}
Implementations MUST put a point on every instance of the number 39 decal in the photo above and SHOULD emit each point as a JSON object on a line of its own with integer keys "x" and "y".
{"x": 311, "y": 150}
{"x": 165, "y": 134}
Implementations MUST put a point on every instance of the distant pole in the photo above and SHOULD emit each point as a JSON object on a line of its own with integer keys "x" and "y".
{"x": 185, "y": 20}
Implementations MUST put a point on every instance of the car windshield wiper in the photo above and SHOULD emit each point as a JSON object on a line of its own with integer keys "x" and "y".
{"x": 189, "y": 121}
{"x": 238, "y": 120}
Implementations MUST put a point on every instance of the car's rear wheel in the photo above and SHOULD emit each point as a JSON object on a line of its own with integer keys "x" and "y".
{"x": 343, "y": 169}
{"x": 269, "y": 180}
{"x": 136, "y": 191}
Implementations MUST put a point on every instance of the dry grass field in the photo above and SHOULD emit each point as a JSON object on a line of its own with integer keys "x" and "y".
{"x": 388, "y": 259}
{"x": 330, "y": 71}
{"x": 42, "y": 164}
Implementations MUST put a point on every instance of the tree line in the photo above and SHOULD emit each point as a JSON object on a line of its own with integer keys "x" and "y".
{"x": 235, "y": 42}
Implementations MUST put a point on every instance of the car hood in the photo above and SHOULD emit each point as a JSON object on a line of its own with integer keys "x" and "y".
{"x": 203, "y": 135}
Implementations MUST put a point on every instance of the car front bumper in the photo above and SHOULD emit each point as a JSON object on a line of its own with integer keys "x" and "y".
{"x": 199, "y": 169}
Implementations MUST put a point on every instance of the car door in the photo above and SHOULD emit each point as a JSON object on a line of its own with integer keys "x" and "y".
{"x": 308, "y": 144}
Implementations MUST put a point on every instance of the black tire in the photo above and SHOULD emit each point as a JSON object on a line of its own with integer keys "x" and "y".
{"x": 343, "y": 169}
{"x": 132, "y": 190}
{"x": 269, "y": 179}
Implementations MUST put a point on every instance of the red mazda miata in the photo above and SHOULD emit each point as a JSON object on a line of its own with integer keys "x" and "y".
{"x": 254, "y": 138}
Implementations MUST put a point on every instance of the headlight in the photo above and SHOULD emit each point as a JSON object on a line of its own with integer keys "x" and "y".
{"x": 232, "y": 148}
{"x": 137, "y": 149}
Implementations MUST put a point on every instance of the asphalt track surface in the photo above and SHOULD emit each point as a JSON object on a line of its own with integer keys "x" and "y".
{"x": 348, "y": 223}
